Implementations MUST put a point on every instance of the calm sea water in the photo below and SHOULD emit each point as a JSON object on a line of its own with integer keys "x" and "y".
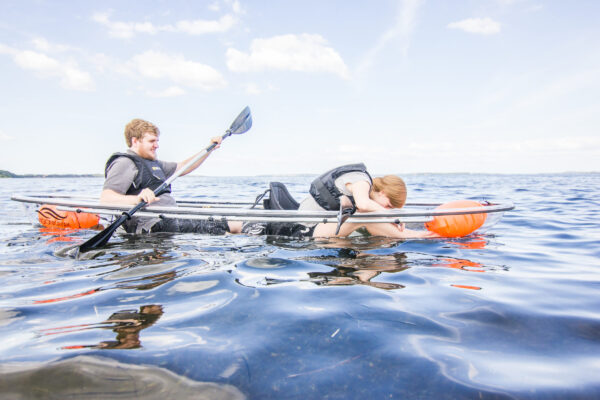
{"x": 514, "y": 313}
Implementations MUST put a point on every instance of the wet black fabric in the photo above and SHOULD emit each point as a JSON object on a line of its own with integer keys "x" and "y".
{"x": 287, "y": 229}
{"x": 180, "y": 225}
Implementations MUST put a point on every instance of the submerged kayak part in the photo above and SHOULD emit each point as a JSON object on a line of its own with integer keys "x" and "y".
{"x": 457, "y": 225}
{"x": 52, "y": 217}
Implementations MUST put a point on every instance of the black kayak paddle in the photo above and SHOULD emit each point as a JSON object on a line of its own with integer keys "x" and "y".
{"x": 242, "y": 124}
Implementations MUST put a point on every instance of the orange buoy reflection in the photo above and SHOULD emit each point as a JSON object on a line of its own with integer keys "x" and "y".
{"x": 466, "y": 287}
{"x": 73, "y": 296}
{"x": 474, "y": 243}
{"x": 57, "y": 234}
{"x": 457, "y": 263}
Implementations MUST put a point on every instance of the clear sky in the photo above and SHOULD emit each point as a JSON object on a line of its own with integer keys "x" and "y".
{"x": 500, "y": 86}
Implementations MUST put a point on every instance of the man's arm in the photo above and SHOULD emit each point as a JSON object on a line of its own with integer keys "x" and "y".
{"x": 360, "y": 191}
{"x": 216, "y": 139}
{"x": 112, "y": 197}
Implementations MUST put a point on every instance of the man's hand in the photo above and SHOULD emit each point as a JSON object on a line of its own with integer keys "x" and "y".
{"x": 217, "y": 140}
{"x": 147, "y": 195}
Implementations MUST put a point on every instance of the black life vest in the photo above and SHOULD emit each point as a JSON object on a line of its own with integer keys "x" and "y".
{"x": 323, "y": 188}
{"x": 149, "y": 175}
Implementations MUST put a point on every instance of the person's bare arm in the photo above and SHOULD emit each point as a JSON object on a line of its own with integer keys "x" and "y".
{"x": 397, "y": 231}
{"x": 360, "y": 191}
{"x": 111, "y": 197}
{"x": 216, "y": 139}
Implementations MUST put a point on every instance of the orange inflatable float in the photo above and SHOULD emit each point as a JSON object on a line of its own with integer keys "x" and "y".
{"x": 456, "y": 225}
{"x": 51, "y": 217}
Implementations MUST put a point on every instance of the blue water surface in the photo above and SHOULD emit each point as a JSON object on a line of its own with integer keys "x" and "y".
{"x": 512, "y": 313}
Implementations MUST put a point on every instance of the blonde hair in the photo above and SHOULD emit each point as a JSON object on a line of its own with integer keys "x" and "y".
{"x": 137, "y": 128}
{"x": 393, "y": 187}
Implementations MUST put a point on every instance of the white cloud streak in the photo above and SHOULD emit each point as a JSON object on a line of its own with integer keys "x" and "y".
{"x": 480, "y": 26}
{"x": 201, "y": 27}
{"x": 404, "y": 25}
{"x": 304, "y": 52}
{"x": 4, "y": 137}
{"x": 252, "y": 89}
{"x": 124, "y": 30}
{"x": 41, "y": 44}
{"x": 128, "y": 29}
{"x": 171, "y": 91}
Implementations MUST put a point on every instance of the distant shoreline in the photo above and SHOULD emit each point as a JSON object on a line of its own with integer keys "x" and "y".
{"x": 8, "y": 174}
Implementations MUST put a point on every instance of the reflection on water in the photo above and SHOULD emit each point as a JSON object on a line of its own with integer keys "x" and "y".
{"x": 346, "y": 267}
{"x": 86, "y": 377}
{"x": 127, "y": 324}
{"x": 492, "y": 316}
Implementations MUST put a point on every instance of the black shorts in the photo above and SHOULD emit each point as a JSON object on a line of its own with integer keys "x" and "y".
{"x": 181, "y": 225}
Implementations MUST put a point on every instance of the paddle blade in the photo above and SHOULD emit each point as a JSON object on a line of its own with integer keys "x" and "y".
{"x": 103, "y": 237}
{"x": 242, "y": 123}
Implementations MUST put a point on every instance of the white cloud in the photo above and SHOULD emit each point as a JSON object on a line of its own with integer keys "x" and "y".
{"x": 68, "y": 72}
{"x": 214, "y": 6}
{"x": 176, "y": 68}
{"x": 482, "y": 26}
{"x": 171, "y": 91}
{"x": 127, "y": 30}
{"x": 252, "y": 88}
{"x": 4, "y": 137}
{"x": 305, "y": 52}
{"x": 200, "y": 27}
{"x": 124, "y": 30}
{"x": 43, "y": 45}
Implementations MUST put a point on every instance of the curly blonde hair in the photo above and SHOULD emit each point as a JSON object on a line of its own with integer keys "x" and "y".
{"x": 137, "y": 128}
{"x": 393, "y": 187}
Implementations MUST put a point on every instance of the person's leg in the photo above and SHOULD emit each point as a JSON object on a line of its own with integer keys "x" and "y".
{"x": 328, "y": 230}
{"x": 235, "y": 226}
{"x": 375, "y": 229}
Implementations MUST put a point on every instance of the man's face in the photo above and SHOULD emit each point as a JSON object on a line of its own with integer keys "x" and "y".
{"x": 145, "y": 147}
